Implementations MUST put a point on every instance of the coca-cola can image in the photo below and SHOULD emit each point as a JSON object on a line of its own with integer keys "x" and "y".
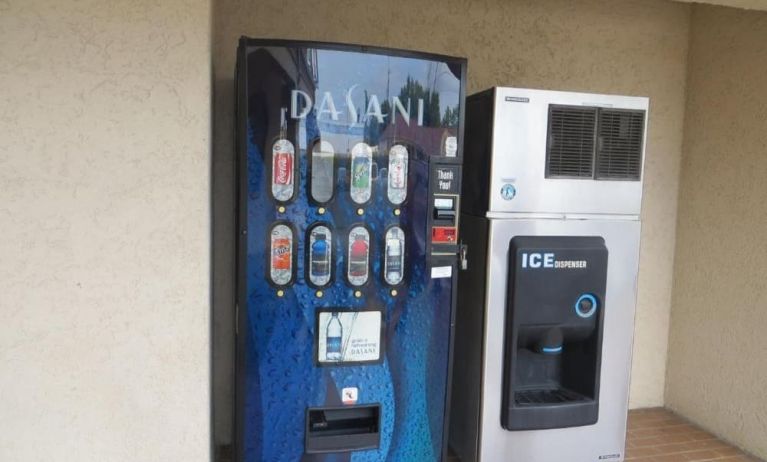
{"x": 283, "y": 168}
{"x": 283, "y": 155}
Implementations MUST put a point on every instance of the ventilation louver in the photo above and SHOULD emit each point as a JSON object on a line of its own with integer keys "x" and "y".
{"x": 594, "y": 143}
{"x": 570, "y": 152}
{"x": 619, "y": 147}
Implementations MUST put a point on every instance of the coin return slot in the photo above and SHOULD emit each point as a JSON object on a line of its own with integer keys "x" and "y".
{"x": 343, "y": 429}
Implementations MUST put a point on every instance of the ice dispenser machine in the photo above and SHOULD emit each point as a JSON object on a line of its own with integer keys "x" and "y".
{"x": 545, "y": 314}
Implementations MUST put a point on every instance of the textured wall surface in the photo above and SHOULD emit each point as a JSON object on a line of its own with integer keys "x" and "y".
{"x": 634, "y": 47}
{"x": 105, "y": 218}
{"x": 717, "y": 369}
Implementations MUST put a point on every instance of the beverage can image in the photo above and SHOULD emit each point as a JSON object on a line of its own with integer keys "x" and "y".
{"x": 361, "y": 173}
{"x": 281, "y": 251}
{"x": 334, "y": 339}
{"x": 359, "y": 256}
{"x": 397, "y": 184}
{"x": 283, "y": 156}
{"x": 394, "y": 256}
{"x": 323, "y": 172}
{"x": 320, "y": 253}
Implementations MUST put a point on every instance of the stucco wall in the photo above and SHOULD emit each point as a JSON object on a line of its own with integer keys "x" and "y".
{"x": 104, "y": 212}
{"x": 717, "y": 369}
{"x": 636, "y": 47}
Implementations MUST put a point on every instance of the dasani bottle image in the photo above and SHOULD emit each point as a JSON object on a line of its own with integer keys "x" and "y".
{"x": 334, "y": 339}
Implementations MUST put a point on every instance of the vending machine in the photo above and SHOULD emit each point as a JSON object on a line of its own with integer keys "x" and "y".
{"x": 349, "y": 199}
{"x": 552, "y": 201}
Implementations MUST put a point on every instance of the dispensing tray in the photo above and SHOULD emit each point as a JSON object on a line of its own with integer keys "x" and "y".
{"x": 539, "y": 397}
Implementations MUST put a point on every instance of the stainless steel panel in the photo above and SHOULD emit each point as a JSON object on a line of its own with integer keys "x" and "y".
{"x": 519, "y": 158}
{"x": 577, "y": 444}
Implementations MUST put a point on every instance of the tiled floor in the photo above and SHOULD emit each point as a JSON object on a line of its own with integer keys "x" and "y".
{"x": 657, "y": 435}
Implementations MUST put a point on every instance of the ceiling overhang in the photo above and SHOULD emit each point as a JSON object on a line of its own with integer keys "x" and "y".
{"x": 746, "y": 4}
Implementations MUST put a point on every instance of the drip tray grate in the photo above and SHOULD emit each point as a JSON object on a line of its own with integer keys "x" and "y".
{"x": 547, "y": 396}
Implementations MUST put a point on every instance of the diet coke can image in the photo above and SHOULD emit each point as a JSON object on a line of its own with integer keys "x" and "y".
{"x": 281, "y": 255}
{"x": 397, "y": 184}
{"x": 322, "y": 172}
{"x": 283, "y": 157}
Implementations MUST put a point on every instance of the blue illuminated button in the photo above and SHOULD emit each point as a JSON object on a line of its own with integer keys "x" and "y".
{"x": 508, "y": 191}
{"x": 586, "y": 306}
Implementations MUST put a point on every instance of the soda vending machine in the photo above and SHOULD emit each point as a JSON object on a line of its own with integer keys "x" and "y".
{"x": 545, "y": 314}
{"x": 349, "y": 180}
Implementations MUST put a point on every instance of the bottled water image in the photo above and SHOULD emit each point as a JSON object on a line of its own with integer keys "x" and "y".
{"x": 320, "y": 250}
{"x": 334, "y": 339}
{"x": 395, "y": 255}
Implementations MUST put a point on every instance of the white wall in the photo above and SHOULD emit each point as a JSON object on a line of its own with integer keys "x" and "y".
{"x": 104, "y": 230}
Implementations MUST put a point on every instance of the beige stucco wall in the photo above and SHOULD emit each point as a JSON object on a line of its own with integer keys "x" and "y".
{"x": 635, "y": 47}
{"x": 104, "y": 219}
{"x": 717, "y": 369}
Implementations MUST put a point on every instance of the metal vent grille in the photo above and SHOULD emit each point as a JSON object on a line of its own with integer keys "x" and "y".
{"x": 619, "y": 148}
{"x": 570, "y": 150}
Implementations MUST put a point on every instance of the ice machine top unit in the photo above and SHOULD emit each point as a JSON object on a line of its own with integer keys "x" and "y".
{"x": 350, "y": 165}
{"x": 556, "y": 153}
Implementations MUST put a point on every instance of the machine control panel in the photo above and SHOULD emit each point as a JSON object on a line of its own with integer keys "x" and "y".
{"x": 444, "y": 191}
